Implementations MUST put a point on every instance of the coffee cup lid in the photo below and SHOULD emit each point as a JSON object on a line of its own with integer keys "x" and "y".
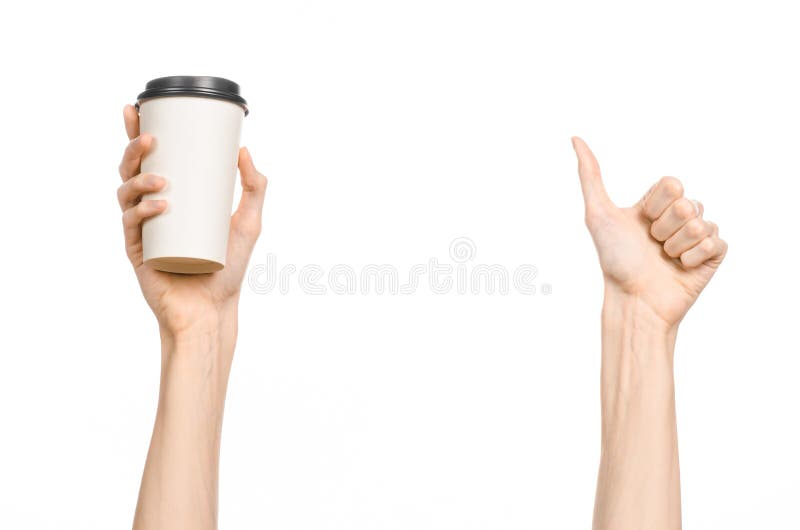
{"x": 193, "y": 85}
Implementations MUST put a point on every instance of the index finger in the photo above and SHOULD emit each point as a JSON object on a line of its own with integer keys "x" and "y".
{"x": 131, "y": 116}
{"x": 132, "y": 158}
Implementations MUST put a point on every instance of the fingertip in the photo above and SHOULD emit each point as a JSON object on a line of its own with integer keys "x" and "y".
{"x": 673, "y": 187}
{"x": 156, "y": 182}
{"x": 584, "y": 153}
{"x": 587, "y": 163}
{"x": 244, "y": 156}
{"x": 578, "y": 144}
{"x": 131, "y": 117}
{"x": 246, "y": 164}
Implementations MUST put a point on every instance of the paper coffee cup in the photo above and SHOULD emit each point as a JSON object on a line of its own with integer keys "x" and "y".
{"x": 196, "y": 125}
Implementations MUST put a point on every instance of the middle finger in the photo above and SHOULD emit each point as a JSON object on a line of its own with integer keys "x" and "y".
{"x": 676, "y": 215}
{"x": 131, "y": 191}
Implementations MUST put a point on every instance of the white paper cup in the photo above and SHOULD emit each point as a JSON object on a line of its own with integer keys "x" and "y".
{"x": 196, "y": 125}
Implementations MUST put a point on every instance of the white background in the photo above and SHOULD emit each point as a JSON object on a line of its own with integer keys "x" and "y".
{"x": 387, "y": 130}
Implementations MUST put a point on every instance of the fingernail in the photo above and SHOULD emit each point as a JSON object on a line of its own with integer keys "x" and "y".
{"x": 158, "y": 204}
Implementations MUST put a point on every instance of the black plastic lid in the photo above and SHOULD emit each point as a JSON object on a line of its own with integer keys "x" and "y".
{"x": 193, "y": 85}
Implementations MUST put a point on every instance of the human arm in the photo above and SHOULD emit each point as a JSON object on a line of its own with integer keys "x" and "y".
{"x": 656, "y": 257}
{"x": 197, "y": 318}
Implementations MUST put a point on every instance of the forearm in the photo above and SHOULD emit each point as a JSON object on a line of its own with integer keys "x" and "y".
{"x": 639, "y": 481}
{"x": 179, "y": 485}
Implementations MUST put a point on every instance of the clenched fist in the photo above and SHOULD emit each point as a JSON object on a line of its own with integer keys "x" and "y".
{"x": 660, "y": 250}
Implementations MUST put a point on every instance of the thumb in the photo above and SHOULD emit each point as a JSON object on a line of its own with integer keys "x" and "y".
{"x": 254, "y": 185}
{"x": 246, "y": 221}
{"x": 594, "y": 193}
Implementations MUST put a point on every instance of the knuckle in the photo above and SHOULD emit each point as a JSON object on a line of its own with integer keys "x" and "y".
{"x": 250, "y": 227}
{"x": 650, "y": 211}
{"x": 695, "y": 228}
{"x": 593, "y": 216}
{"x": 254, "y": 230}
{"x": 656, "y": 232}
{"x": 138, "y": 212}
{"x": 691, "y": 260}
{"x": 684, "y": 209}
{"x": 707, "y": 246}
{"x": 672, "y": 186}
{"x": 670, "y": 250}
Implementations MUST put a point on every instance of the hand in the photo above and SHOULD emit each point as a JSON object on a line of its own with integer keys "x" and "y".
{"x": 183, "y": 302}
{"x": 659, "y": 250}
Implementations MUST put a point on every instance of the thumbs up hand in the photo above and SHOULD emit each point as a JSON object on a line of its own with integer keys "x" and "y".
{"x": 660, "y": 250}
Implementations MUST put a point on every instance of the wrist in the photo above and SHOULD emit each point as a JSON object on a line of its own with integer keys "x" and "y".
{"x": 180, "y": 312}
{"x": 627, "y": 311}
{"x": 205, "y": 340}
{"x": 219, "y": 321}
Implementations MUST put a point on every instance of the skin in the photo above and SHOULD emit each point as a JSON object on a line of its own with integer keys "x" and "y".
{"x": 657, "y": 257}
{"x": 197, "y": 318}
